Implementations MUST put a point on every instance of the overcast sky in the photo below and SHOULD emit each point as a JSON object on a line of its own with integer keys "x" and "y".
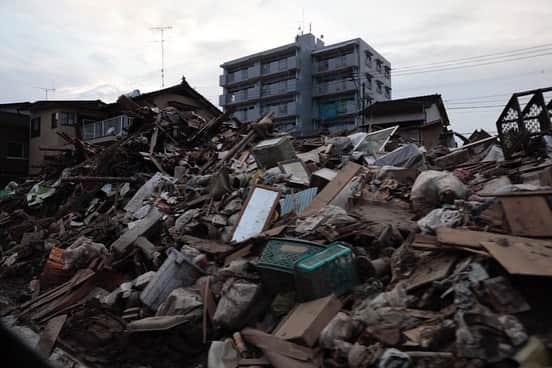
{"x": 101, "y": 49}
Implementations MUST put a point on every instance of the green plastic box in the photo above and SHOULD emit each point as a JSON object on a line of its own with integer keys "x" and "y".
{"x": 278, "y": 259}
{"x": 331, "y": 271}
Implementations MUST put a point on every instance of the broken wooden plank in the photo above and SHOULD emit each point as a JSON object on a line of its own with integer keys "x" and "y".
{"x": 121, "y": 245}
{"x": 525, "y": 257}
{"x": 472, "y": 239}
{"x": 270, "y": 343}
{"x": 464, "y": 238}
{"x": 50, "y": 334}
{"x": 445, "y": 247}
{"x": 210, "y": 126}
{"x": 146, "y": 247}
{"x": 333, "y": 188}
{"x": 432, "y": 269}
{"x": 528, "y": 215}
{"x": 153, "y": 141}
{"x": 208, "y": 246}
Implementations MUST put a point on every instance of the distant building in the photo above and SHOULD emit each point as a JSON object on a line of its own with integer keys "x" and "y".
{"x": 422, "y": 119}
{"x": 14, "y": 142}
{"x": 31, "y": 131}
{"x": 308, "y": 86}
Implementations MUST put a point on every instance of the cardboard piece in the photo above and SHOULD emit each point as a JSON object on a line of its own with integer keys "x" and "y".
{"x": 305, "y": 321}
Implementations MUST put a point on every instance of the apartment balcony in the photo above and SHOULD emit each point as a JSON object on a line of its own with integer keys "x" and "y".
{"x": 240, "y": 76}
{"x": 106, "y": 130}
{"x": 279, "y": 66}
{"x": 329, "y": 66}
{"x": 334, "y": 87}
{"x": 279, "y": 88}
{"x": 247, "y": 115}
{"x": 239, "y": 97}
{"x": 336, "y": 109}
{"x": 282, "y": 110}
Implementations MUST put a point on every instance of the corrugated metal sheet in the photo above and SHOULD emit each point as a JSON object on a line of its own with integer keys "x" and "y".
{"x": 298, "y": 201}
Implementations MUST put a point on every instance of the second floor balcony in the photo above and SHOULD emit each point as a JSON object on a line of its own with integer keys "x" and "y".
{"x": 111, "y": 127}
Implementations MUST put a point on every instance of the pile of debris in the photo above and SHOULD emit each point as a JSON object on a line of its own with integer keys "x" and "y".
{"x": 213, "y": 244}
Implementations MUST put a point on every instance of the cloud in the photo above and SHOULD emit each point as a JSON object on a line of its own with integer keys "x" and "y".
{"x": 103, "y": 48}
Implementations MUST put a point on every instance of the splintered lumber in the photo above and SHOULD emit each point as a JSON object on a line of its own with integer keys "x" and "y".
{"x": 267, "y": 119}
{"x": 333, "y": 188}
{"x": 210, "y": 126}
{"x": 50, "y": 334}
{"x": 120, "y": 245}
{"x": 274, "y": 344}
{"x": 473, "y": 239}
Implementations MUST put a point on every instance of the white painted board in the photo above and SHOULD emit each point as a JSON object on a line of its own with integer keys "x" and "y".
{"x": 256, "y": 214}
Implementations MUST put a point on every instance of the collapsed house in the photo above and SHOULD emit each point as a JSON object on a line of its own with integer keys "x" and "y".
{"x": 194, "y": 240}
{"x": 422, "y": 120}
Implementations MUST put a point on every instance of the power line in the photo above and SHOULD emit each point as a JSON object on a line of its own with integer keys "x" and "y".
{"x": 162, "y": 30}
{"x": 468, "y": 66}
{"x": 475, "y": 107}
{"x": 503, "y": 53}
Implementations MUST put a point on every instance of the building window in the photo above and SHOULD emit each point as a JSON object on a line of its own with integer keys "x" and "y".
{"x": 341, "y": 61}
{"x": 283, "y": 108}
{"x": 35, "y": 127}
{"x": 265, "y": 68}
{"x": 265, "y": 89}
{"x": 387, "y": 72}
{"x": 342, "y": 107}
{"x": 378, "y": 65}
{"x": 64, "y": 118}
{"x": 16, "y": 150}
{"x": 387, "y": 92}
{"x": 282, "y": 64}
{"x": 368, "y": 59}
{"x": 379, "y": 85}
{"x": 283, "y": 86}
{"x": 369, "y": 82}
{"x": 323, "y": 65}
{"x": 244, "y": 74}
{"x": 54, "y": 120}
{"x": 230, "y": 77}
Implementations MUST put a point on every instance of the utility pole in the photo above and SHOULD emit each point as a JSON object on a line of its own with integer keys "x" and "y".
{"x": 162, "y": 30}
{"x": 363, "y": 103}
{"x": 46, "y": 90}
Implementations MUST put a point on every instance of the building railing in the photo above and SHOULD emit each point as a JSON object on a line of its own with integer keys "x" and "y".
{"x": 117, "y": 125}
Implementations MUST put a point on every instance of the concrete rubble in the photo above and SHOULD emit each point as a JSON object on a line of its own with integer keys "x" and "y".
{"x": 217, "y": 244}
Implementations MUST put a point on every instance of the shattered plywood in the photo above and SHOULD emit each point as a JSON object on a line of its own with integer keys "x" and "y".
{"x": 522, "y": 257}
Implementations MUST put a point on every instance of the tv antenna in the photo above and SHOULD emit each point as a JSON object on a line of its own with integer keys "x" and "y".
{"x": 162, "y": 30}
{"x": 46, "y": 90}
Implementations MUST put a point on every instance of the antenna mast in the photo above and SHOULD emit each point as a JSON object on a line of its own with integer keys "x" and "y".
{"x": 162, "y": 30}
{"x": 46, "y": 90}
